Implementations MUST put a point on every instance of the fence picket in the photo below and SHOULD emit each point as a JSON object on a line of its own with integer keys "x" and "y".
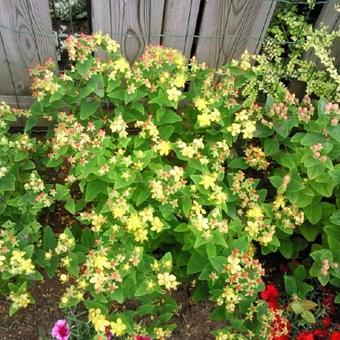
{"x": 237, "y": 25}
{"x": 26, "y": 39}
{"x": 133, "y": 23}
{"x": 180, "y": 19}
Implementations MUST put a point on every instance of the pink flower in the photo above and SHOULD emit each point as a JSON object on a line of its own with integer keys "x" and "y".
{"x": 61, "y": 330}
{"x": 141, "y": 337}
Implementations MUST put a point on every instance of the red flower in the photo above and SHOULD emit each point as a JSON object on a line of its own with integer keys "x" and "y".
{"x": 335, "y": 335}
{"x": 273, "y": 304}
{"x": 141, "y": 337}
{"x": 282, "y": 337}
{"x": 326, "y": 321}
{"x": 270, "y": 292}
{"x": 271, "y": 295}
{"x": 305, "y": 335}
{"x": 321, "y": 333}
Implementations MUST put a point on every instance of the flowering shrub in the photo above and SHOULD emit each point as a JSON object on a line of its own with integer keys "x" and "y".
{"x": 172, "y": 177}
{"x": 22, "y": 196}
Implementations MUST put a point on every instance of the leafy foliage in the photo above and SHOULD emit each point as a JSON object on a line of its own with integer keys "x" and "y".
{"x": 169, "y": 186}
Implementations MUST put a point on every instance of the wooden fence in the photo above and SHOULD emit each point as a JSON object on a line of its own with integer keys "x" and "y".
{"x": 214, "y": 30}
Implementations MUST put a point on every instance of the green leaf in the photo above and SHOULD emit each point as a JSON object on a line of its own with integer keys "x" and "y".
{"x": 309, "y": 232}
{"x": 164, "y": 117}
{"x": 286, "y": 160}
{"x": 85, "y": 92}
{"x": 308, "y": 316}
{"x": 313, "y": 212}
{"x": 335, "y": 218}
{"x": 31, "y": 122}
{"x": 143, "y": 195}
{"x": 87, "y": 238}
{"x": 84, "y": 66}
{"x": 70, "y": 206}
{"x": 297, "y": 307}
{"x": 196, "y": 263}
{"x": 286, "y": 248}
{"x": 335, "y": 132}
{"x": 166, "y": 131}
{"x": 310, "y": 139}
{"x": 142, "y": 289}
{"x": 269, "y": 102}
{"x": 93, "y": 189}
{"x": 211, "y": 250}
{"x": 290, "y": 285}
{"x": 238, "y": 163}
{"x": 62, "y": 192}
{"x": 271, "y": 146}
{"x": 186, "y": 205}
{"x": 7, "y": 183}
{"x": 49, "y": 239}
{"x": 87, "y": 109}
{"x": 182, "y": 228}
{"x": 337, "y": 298}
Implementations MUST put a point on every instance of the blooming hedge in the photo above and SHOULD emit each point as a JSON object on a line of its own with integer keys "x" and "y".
{"x": 171, "y": 176}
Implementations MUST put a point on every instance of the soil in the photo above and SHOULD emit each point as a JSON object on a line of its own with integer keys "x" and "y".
{"x": 192, "y": 319}
{"x": 37, "y": 320}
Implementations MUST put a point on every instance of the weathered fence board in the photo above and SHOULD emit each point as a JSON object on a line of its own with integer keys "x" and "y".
{"x": 229, "y": 27}
{"x": 133, "y": 23}
{"x": 26, "y": 39}
{"x": 6, "y": 84}
{"x": 180, "y": 19}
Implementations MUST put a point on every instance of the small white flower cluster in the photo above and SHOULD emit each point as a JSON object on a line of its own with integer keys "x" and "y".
{"x": 35, "y": 184}
{"x": 3, "y": 171}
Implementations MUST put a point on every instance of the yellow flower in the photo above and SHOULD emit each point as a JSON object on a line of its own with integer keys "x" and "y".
{"x": 167, "y": 280}
{"x": 157, "y": 225}
{"x": 164, "y": 148}
{"x": 200, "y": 103}
{"x": 118, "y": 211}
{"x": 208, "y": 181}
{"x": 234, "y": 264}
{"x": 101, "y": 262}
{"x": 204, "y": 119}
{"x": 63, "y": 278}
{"x": 234, "y": 129}
{"x": 112, "y": 46}
{"x": 141, "y": 235}
{"x": 255, "y": 212}
{"x": 173, "y": 94}
{"x": 179, "y": 80}
{"x": 279, "y": 202}
{"x": 133, "y": 222}
{"x": 27, "y": 266}
{"x": 121, "y": 65}
{"x": 118, "y": 328}
{"x": 249, "y": 129}
{"x": 98, "y": 320}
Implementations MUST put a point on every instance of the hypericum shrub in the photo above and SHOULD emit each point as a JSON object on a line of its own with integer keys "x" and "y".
{"x": 22, "y": 196}
{"x": 173, "y": 177}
